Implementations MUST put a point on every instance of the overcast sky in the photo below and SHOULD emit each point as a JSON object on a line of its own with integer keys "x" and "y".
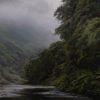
{"x": 37, "y": 14}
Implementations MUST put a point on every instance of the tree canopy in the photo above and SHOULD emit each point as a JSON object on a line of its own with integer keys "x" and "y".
{"x": 73, "y": 64}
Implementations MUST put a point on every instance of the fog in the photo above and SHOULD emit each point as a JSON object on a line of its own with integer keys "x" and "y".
{"x": 33, "y": 18}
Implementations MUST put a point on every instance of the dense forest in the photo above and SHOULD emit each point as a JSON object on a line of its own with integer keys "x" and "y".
{"x": 72, "y": 64}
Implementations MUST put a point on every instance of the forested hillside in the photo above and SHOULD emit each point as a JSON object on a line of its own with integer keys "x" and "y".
{"x": 25, "y": 29}
{"x": 72, "y": 64}
{"x": 16, "y": 47}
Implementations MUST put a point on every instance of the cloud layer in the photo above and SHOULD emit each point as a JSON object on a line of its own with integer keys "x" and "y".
{"x": 33, "y": 15}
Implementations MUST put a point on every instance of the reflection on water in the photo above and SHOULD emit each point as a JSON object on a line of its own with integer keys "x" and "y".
{"x": 24, "y": 92}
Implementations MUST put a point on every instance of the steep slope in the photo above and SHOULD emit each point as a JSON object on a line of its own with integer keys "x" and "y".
{"x": 11, "y": 59}
{"x": 25, "y": 29}
{"x": 74, "y": 64}
{"x": 16, "y": 47}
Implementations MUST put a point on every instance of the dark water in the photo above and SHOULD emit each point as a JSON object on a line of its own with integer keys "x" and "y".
{"x": 25, "y": 92}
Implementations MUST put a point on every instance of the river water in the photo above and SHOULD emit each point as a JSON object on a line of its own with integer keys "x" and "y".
{"x": 27, "y": 92}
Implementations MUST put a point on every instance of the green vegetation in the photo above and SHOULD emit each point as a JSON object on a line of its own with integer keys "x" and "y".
{"x": 43, "y": 66}
{"x": 14, "y": 51}
{"x": 11, "y": 60}
{"x": 8, "y": 76}
{"x": 72, "y": 64}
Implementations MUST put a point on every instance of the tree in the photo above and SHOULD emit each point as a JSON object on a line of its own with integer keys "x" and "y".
{"x": 43, "y": 66}
{"x": 78, "y": 20}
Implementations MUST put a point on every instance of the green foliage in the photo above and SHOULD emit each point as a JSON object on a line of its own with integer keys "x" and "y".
{"x": 9, "y": 76}
{"x": 73, "y": 64}
{"x": 14, "y": 51}
{"x": 43, "y": 66}
{"x": 32, "y": 71}
{"x": 80, "y": 28}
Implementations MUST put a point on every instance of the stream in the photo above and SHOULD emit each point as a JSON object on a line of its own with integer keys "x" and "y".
{"x": 28, "y": 92}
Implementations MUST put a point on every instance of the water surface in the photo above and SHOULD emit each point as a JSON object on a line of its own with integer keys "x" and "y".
{"x": 27, "y": 92}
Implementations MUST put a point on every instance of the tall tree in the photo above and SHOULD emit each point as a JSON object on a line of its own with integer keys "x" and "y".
{"x": 80, "y": 24}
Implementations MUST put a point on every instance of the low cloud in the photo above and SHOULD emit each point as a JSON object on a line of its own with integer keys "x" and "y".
{"x": 35, "y": 16}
